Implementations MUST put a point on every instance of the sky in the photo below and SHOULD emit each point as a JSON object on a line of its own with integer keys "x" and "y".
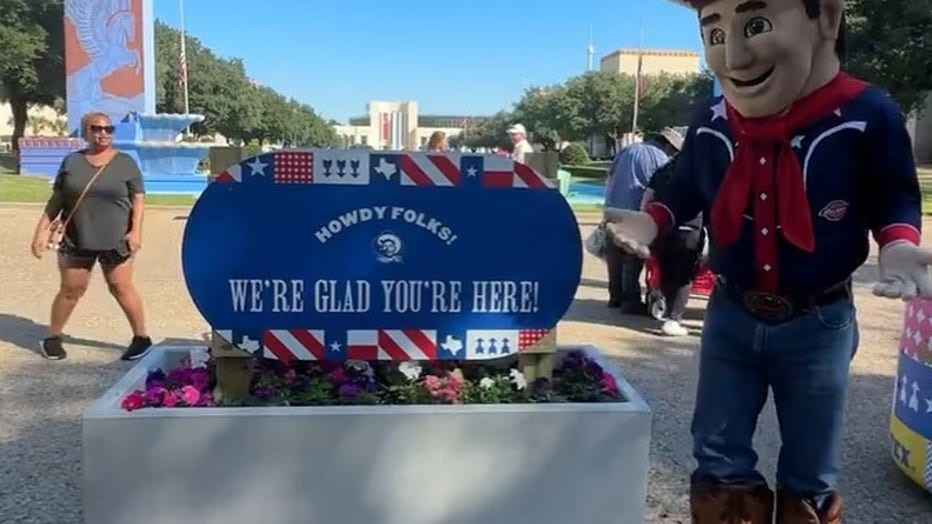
{"x": 472, "y": 57}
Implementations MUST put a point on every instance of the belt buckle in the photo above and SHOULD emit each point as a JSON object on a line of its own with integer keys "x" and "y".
{"x": 767, "y": 306}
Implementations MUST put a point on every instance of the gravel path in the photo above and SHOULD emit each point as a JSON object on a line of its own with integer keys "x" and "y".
{"x": 41, "y": 401}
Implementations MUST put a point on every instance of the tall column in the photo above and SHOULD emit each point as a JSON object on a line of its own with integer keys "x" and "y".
{"x": 109, "y": 58}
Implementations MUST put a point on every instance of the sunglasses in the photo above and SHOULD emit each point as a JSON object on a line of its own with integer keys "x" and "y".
{"x": 102, "y": 129}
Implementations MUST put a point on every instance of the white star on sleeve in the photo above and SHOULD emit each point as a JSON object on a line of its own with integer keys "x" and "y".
{"x": 718, "y": 110}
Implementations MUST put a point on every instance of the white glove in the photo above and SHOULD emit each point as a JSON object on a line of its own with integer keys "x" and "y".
{"x": 904, "y": 271}
{"x": 632, "y": 231}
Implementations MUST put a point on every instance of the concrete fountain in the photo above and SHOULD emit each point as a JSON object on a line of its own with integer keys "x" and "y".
{"x": 110, "y": 67}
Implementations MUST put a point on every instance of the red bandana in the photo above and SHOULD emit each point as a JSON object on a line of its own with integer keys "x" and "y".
{"x": 766, "y": 140}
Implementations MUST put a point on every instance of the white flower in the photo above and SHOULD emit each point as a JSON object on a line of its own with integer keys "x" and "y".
{"x": 199, "y": 357}
{"x": 486, "y": 383}
{"x": 410, "y": 369}
{"x": 517, "y": 378}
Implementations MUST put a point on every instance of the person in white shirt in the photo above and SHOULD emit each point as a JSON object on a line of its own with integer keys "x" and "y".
{"x": 521, "y": 146}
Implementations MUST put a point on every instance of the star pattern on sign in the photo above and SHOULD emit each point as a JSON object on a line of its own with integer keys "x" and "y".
{"x": 529, "y": 337}
{"x": 294, "y": 167}
{"x": 718, "y": 110}
{"x": 913, "y": 402}
{"x": 257, "y": 167}
{"x": 929, "y": 405}
{"x": 336, "y": 347}
{"x": 472, "y": 171}
{"x": 797, "y": 142}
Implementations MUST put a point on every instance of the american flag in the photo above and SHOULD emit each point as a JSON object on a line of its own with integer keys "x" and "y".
{"x": 293, "y": 167}
{"x": 182, "y": 73}
{"x": 640, "y": 77}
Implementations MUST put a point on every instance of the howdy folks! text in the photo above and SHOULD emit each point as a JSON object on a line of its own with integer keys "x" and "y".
{"x": 397, "y": 296}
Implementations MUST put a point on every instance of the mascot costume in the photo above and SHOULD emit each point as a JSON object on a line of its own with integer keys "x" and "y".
{"x": 792, "y": 167}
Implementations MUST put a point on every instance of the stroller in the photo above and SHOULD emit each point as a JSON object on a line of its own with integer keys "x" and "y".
{"x": 702, "y": 283}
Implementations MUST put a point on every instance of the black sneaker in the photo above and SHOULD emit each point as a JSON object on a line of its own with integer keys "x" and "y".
{"x": 52, "y": 348}
{"x": 137, "y": 349}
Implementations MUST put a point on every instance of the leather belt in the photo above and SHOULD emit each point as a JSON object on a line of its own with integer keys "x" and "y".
{"x": 775, "y": 308}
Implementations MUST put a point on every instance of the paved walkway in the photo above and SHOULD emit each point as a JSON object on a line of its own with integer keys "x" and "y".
{"x": 41, "y": 401}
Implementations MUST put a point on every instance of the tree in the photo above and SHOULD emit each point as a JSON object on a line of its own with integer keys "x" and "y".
{"x": 490, "y": 133}
{"x": 218, "y": 89}
{"x": 671, "y": 100}
{"x": 889, "y": 43}
{"x": 550, "y": 114}
{"x": 231, "y": 103}
{"x": 32, "y": 58}
{"x": 605, "y": 101}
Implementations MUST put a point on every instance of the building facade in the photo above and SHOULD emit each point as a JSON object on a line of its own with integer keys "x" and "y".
{"x": 42, "y": 121}
{"x": 399, "y": 125}
{"x": 653, "y": 62}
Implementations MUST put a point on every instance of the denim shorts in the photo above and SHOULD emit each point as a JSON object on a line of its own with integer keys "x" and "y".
{"x": 86, "y": 258}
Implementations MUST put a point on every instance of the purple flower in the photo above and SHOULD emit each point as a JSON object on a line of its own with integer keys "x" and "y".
{"x": 348, "y": 390}
{"x": 200, "y": 379}
{"x": 265, "y": 392}
{"x": 154, "y": 395}
{"x": 206, "y": 400}
{"x": 574, "y": 360}
{"x": 301, "y": 383}
{"x": 155, "y": 379}
{"x": 179, "y": 377}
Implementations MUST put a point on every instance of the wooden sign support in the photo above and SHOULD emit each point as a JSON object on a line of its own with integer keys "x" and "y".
{"x": 234, "y": 368}
{"x": 537, "y": 361}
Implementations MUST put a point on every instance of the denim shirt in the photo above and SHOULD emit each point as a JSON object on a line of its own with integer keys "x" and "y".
{"x": 630, "y": 175}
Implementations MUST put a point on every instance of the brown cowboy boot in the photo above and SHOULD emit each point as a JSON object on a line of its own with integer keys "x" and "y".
{"x": 731, "y": 504}
{"x": 792, "y": 509}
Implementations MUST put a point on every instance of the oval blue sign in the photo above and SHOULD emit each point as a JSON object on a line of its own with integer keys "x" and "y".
{"x": 330, "y": 254}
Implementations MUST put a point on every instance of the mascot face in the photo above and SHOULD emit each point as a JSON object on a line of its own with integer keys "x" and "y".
{"x": 765, "y": 52}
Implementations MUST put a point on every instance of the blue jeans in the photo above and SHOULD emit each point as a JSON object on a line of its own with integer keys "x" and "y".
{"x": 805, "y": 360}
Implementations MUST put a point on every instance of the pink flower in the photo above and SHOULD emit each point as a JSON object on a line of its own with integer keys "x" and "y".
{"x": 133, "y": 401}
{"x": 609, "y": 385}
{"x": 338, "y": 375}
{"x": 170, "y": 399}
{"x": 289, "y": 376}
{"x": 190, "y": 395}
{"x": 433, "y": 384}
{"x": 448, "y": 389}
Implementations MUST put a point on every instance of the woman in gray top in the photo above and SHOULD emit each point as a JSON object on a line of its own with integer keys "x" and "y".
{"x": 105, "y": 227}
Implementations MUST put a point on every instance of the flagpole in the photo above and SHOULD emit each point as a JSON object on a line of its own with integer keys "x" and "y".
{"x": 184, "y": 64}
{"x": 637, "y": 78}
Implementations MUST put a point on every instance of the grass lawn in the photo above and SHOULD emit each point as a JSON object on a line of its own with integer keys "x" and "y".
{"x": 32, "y": 189}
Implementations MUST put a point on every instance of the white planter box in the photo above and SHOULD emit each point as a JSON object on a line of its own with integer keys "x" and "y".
{"x": 465, "y": 464}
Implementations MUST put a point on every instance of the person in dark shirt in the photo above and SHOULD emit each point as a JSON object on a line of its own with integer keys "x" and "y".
{"x": 792, "y": 168}
{"x": 98, "y": 198}
{"x": 677, "y": 251}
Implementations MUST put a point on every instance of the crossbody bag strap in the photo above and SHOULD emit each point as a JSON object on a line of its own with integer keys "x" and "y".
{"x": 80, "y": 199}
